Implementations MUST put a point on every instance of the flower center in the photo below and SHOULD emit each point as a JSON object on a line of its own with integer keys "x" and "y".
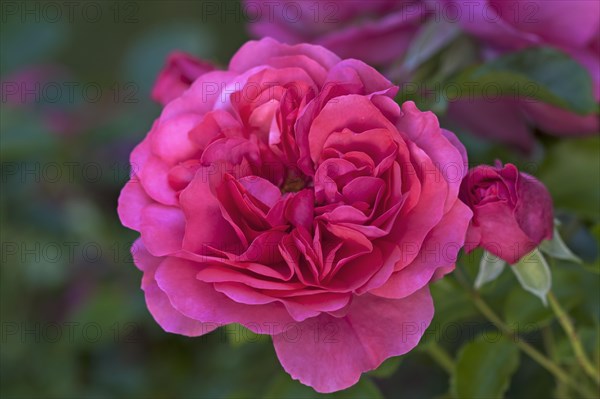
{"x": 293, "y": 182}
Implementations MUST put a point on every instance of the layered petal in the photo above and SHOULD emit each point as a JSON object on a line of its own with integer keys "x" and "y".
{"x": 372, "y": 330}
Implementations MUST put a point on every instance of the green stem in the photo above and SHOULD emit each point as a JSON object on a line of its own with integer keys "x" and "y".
{"x": 441, "y": 356}
{"x": 550, "y": 346}
{"x": 533, "y": 353}
{"x": 566, "y": 324}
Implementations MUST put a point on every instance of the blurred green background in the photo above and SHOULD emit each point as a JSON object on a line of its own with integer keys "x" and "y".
{"x": 73, "y": 319}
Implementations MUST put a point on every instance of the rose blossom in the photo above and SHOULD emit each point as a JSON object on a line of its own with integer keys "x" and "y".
{"x": 177, "y": 75}
{"x": 377, "y": 31}
{"x": 512, "y": 211}
{"x": 291, "y": 194}
{"x": 504, "y": 26}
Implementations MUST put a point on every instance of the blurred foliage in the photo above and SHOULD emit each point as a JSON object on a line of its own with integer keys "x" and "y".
{"x": 73, "y": 320}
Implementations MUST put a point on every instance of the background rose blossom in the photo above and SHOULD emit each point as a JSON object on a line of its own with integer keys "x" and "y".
{"x": 180, "y": 70}
{"x": 505, "y": 26}
{"x": 377, "y": 32}
{"x": 291, "y": 190}
{"x": 512, "y": 211}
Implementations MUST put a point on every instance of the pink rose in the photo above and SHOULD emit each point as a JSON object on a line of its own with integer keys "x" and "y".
{"x": 504, "y": 26}
{"x": 177, "y": 75}
{"x": 376, "y": 31}
{"x": 291, "y": 194}
{"x": 512, "y": 211}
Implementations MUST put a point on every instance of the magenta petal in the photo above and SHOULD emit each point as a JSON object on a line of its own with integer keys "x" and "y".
{"x": 550, "y": 19}
{"x": 205, "y": 225}
{"x": 204, "y": 95}
{"x": 200, "y": 301}
{"x": 329, "y": 353}
{"x": 379, "y": 42}
{"x": 561, "y": 122}
{"x": 132, "y": 201}
{"x": 170, "y": 138}
{"x": 501, "y": 234}
{"x": 355, "y": 70}
{"x": 439, "y": 251}
{"x": 489, "y": 23}
{"x": 300, "y": 209}
{"x": 157, "y": 301}
{"x": 180, "y": 70}
{"x": 162, "y": 229}
{"x": 261, "y": 189}
{"x": 534, "y": 211}
{"x": 501, "y": 120}
{"x": 365, "y": 116}
{"x": 258, "y": 53}
{"x": 152, "y": 172}
{"x": 449, "y": 158}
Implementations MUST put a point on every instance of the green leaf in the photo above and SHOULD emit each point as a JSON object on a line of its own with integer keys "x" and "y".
{"x": 571, "y": 174}
{"x": 432, "y": 37}
{"x": 557, "y": 248}
{"x": 533, "y": 273}
{"x": 523, "y": 314}
{"x": 490, "y": 268}
{"x": 424, "y": 85}
{"x": 540, "y": 73}
{"x": 484, "y": 369}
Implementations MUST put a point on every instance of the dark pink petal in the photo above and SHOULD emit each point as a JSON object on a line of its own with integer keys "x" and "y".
{"x": 177, "y": 75}
{"x": 423, "y": 129}
{"x": 300, "y": 209}
{"x": 170, "y": 141}
{"x": 379, "y": 144}
{"x": 500, "y": 120}
{"x": 157, "y": 301}
{"x": 329, "y": 353}
{"x": 162, "y": 229}
{"x": 363, "y": 76}
{"x": 550, "y": 19}
{"x": 205, "y": 225}
{"x": 199, "y": 301}
{"x": 429, "y": 198}
{"x": 132, "y": 201}
{"x": 258, "y": 53}
{"x": 500, "y": 232}
{"x": 534, "y": 211}
{"x": 214, "y": 124}
{"x": 492, "y": 26}
{"x": 379, "y": 42}
{"x": 439, "y": 250}
{"x": 314, "y": 69}
{"x": 561, "y": 122}
{"x": 205, "y": 94}
{"x": 261, "y": 189}
{"x": 365, "y": 116}
{"x": 153, "y": 174}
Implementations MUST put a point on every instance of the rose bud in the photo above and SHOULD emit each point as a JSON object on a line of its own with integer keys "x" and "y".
{"x": 512, "y": 211}
{"x": 177, "y": 76}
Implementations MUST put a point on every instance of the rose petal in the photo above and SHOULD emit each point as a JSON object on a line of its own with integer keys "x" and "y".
{"x": 199, "y": 301}
{"x": 329, "y": 353}
{"x": 157, "y": 301}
